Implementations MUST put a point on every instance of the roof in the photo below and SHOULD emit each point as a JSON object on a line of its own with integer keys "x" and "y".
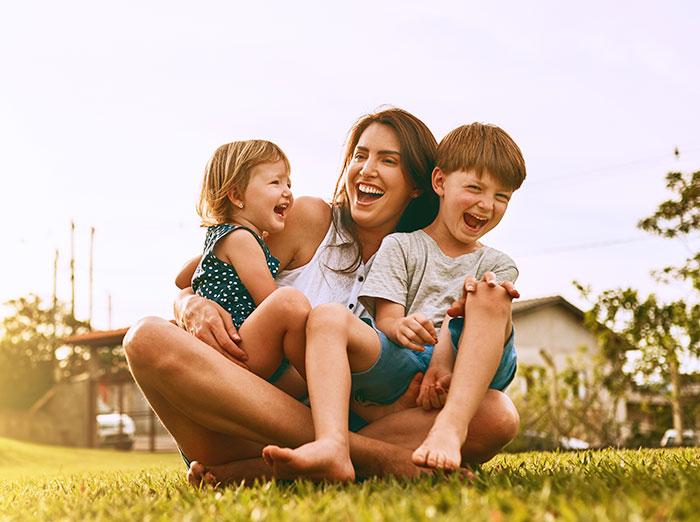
{"x": 530, "y": 305}
{"x": 98, "y": 338}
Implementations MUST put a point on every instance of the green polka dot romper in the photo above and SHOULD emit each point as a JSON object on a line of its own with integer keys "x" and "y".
{"x": 219, "y": 281}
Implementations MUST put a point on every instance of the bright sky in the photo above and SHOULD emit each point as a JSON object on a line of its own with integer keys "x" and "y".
{"x": 109, "y": 111}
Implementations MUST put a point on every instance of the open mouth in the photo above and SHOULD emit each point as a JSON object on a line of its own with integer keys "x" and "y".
{"x": 473, "y": 222}
{"x": 281, "y": 209}
{"x": 368, "y": 193}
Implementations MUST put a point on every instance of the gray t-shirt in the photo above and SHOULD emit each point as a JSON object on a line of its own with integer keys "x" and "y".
{"x": 411, "y": 270}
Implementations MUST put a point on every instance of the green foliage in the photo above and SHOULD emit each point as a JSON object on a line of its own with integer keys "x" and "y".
{"x": 664, "y": 333}
{"x": 579, "y": 400}
{"x": 591, "y": 485}
{"x": 30, "y": 334}
{"x": 678, "y": 217}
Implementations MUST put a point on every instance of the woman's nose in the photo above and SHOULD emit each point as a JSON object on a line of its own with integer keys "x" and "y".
{"x": 369, "y": 167}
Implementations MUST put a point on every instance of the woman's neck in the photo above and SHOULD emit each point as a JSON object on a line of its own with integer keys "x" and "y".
{"x": 370, "y": 240}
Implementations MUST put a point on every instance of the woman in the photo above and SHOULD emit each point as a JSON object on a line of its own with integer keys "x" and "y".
{"x": 222, "y": 415}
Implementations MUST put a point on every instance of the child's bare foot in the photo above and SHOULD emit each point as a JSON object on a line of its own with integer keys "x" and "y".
{"x": 324, "y": 459}
{"x": 441, "y": 449}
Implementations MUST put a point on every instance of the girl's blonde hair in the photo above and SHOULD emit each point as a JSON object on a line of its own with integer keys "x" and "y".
{"x": 229, "y": 170}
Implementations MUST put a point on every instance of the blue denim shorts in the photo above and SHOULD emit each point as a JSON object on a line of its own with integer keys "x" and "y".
{"x": 388, "y": 378}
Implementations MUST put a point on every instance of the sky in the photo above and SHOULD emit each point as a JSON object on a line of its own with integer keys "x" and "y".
{"x": 109, "y": 112}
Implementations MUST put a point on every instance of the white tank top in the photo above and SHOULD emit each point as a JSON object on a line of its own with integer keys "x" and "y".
{"x": 322, "y": 285}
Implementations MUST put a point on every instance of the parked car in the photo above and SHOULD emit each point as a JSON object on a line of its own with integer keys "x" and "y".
{"x": 690, "y": 438}
{"x": 531, "y": 440}
{"x": 114, "y": 430}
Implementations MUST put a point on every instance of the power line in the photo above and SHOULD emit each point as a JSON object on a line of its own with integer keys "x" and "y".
{"x": 593, "y": 245}
{"x": 606, "y": 168}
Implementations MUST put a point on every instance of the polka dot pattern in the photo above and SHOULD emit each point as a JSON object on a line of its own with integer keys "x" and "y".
{"x": 219, "y": 281}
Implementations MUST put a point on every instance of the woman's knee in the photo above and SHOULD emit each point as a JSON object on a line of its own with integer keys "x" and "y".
{"x": 505, "y": 420}
{"x": 141, "y": 340}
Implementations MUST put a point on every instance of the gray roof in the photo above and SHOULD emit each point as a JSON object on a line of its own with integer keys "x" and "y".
{"x": 530, "y": 305}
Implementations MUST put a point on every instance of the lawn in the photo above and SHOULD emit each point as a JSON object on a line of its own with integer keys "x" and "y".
{"x": 47, "y": 483}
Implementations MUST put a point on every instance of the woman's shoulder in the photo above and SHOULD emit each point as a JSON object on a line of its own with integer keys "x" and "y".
{"x": 306, "y": 225}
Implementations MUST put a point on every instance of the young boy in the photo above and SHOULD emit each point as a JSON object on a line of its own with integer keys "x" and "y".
{"x": 416, "y": 276}
{"x": 414, "y": 279}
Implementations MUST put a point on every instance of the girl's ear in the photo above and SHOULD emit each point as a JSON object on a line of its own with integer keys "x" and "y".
{"x": 234, "y": 198}
{"x": 439, "y": 181}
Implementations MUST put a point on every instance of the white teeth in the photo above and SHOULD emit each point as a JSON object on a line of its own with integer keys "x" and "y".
{"x": 368, "y": 189}
{"x": 477, "y": 217}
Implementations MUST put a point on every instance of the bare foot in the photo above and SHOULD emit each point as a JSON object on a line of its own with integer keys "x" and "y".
{"x": 199, "y": 476}
{"x": 320, "y": 460}
{"x": 234, "y": 472}
{"x": 441, "y": 449}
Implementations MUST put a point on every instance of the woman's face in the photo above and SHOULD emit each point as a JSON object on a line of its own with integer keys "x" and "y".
{"x": 377, "y": 188}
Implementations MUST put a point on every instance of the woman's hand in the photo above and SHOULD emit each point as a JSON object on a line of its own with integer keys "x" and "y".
{"x": 209, "y": 322}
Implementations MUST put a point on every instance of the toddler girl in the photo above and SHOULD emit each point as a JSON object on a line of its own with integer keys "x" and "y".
{"x": 245, "y": 194}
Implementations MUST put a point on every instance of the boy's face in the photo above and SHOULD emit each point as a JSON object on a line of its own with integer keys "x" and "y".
{"x": 470, "y": 206}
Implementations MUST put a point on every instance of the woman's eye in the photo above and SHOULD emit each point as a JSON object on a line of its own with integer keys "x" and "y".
{"x": 390, "y": 161}
{"x": 358, "y": 156}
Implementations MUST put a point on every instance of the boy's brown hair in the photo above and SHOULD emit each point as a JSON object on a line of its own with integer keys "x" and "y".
{"x": 482, "y": 147}
{"x": 228, "y": 170}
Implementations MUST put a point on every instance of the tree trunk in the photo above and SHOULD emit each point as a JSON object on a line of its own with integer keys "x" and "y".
{"x": 675, "y": 376}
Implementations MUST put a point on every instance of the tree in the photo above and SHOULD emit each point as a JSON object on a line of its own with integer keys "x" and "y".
{"x": 664, "y": 333}
{"x": 677, "y": 218}
{"x": 579, "y": 399}
{"x": 30, "y": 335}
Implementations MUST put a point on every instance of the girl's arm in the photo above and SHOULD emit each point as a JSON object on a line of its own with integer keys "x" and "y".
{"x": 242, "y": 250}
{"x": 184, "y": 278}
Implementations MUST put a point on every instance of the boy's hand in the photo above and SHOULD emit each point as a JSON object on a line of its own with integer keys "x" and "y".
{"x": 470, "y": 285}
{"x": 414, "y": 331}
{"x": 433, "y": 389}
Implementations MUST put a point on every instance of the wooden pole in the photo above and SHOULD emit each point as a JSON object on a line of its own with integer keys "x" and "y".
{"x": 72, "y": 269}
{"x": 109, "y": 311}
{"x": 90, "y": 287}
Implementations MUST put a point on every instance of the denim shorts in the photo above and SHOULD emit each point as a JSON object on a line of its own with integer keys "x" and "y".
{"x": 388, "y": 378}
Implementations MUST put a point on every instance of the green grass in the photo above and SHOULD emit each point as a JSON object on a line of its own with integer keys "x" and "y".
{"x": 47, "y": 483}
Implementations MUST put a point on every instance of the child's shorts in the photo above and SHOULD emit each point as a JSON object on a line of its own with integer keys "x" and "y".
{"x": 388, "y": 378}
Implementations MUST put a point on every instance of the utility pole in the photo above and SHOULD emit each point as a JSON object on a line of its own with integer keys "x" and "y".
{"x": 109, "y": 311}
{"x": 54, "y": 297}
{"x": 92, "y": 250}
{"x": 72, "y": 269}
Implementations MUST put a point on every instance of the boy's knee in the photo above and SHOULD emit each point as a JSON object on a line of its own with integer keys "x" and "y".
{"x": 495, "y": 301}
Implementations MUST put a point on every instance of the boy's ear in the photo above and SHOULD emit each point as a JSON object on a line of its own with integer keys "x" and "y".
{"x": 438, "y": 179}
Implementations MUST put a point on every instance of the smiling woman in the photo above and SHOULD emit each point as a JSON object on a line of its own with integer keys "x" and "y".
{"x": 220, "y": 413}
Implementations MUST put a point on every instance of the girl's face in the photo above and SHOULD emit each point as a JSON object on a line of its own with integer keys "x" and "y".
{"x": 266, "y": 200}
{"x": 378, "y": 190}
